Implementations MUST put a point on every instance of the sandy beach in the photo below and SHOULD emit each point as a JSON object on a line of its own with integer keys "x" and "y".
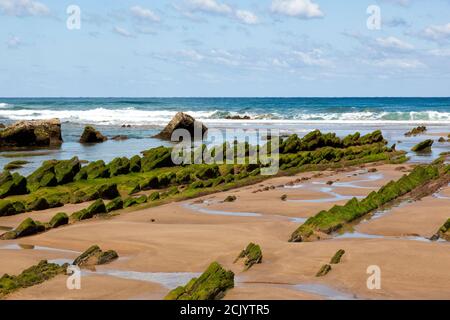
{"x": 184, "y": 237}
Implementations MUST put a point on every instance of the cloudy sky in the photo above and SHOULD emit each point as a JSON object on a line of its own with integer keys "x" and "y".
{"x": 225, "y": 48}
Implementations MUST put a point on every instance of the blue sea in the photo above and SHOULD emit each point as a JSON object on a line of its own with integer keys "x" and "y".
{"x": 146, "y": 116}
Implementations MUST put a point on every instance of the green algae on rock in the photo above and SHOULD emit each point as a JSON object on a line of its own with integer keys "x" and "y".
{"x": 115, "y": 204}
{"x": 424, "y": 146}
{"x": 328, "y": 221}
{"x": 91, "y": 135}
{"x": 28, "y": 227}
{"x": 252, "y": 255}
{"x": 211, "y": 285}
{"x": 12, "y": 184}
{"x": 443, "y": 232}
{"x": 95, "y": 256}
{"x": 230, "y": 199}
{"x": 58, "y": 220}
{"x": 324, "y": 270}
{"x": 337, "y": 257}
{"x": 32, "y": 276}
{"x": 98, "y": 207}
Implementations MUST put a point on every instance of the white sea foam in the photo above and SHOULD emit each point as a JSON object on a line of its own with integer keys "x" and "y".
{"x": 4, "y": 105}
{"x": 104, "y": 116}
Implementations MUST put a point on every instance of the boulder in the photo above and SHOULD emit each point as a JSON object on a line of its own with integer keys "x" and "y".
{"x": 28, "y": 227}
{"x": 182, "y": 121}
{"x": 416, "y": 131}
{"x": 38, "y": 204}
{"x": 65, "y": 171}
{"x": 120, "y": 137}
{"x": 94, "y": 170}
{"x": 337, "y": 257}
{"x": 44, "y": 176}
{"x": 91, "y": 135}
{"x": 211, "y": 285}
{"x": 323, "y": 270}
{"x": 115, "y": 204}
{"x": 119, "y": 166}
{"x": 424, "y": 146}
{"x": 95, "y": 256}
{"x": 12, "y": 184}
{"x": 58, "y": 220}
{"x": 252, "y": 255}
{"x": 97, "y": 207}
{"x": 34, "y": 133}
{"x": 9, "y": 208}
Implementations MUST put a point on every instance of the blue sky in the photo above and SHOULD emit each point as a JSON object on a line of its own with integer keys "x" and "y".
{"x": 225, "y": 48}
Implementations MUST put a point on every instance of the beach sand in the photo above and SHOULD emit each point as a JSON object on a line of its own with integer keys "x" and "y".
{"x": 186, "y": 238}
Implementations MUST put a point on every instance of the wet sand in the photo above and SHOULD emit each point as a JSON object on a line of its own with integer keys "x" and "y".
{"x": 183, "y": 239}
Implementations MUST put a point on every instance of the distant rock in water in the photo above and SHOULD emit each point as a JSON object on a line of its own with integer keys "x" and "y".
{"x": 424, "y": 146}
{"x": 120, "y": 137}
{"x": 416, "y": 131}
{"x": 182, "y": 121}
{"x": 2, "y": 125}
{"x": 91, "y": 135}
{"x": 33, "y": 133}
{"x": 238, "y": 118}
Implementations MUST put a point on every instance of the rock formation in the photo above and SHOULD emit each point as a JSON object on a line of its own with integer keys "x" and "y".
{"x": 182, "y": 121}
{"x": 91, "y": 135}
{"x": 34, "y": 133}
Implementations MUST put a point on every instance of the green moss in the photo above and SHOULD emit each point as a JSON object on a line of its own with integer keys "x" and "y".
{"x": 43, "y": 176}
{"x": 9, "y": 208}
{"x": 17, "y": 164}
{"x": 119, "y": 166}
{"x": 252, "y": 255}
{"x": 154, "y": 196}
{"x": 66, "y": 170}
{"x": 115, "y": 204}
{"x": 337, "y": 257}
{"x": 30, "y": 277}
{"x": 58, "y": 220}
{"x": 324, "y": 270}
{"x": 211, "y": 285}
{"x": 97, "y": 207}
{"x": 12, "y": 184}
{"x": 424, "y": 146}
{"x": 135, "y": 164}
{"x": 28, "y": 227}
{"x": 328, "y": 221}
{"x": 130, "y": 202}
{"x": 95, "y": 256}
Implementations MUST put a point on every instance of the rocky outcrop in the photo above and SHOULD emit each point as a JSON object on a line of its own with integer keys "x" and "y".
{"x": 416, "y": 131}
{"x": 324, "y": 270}
{"x": 238, "y": 118}
{"x": 120, "y": 137}
{"x": 98, "y": 207}
{"x": 12, "y": 184}
{"x": 59, "y": 219}
{"x": 91, "y": 135}
{"x": 424, "y": 146}
{"x": 182, "y": 121}
{"x": 34, "y": 133}
{"x": 211, "y": 285}
{"x": 28, "y": 227}
{"x": 95, "y": 256}
{"x": 337, "y": 257}
{"x": 443, "y": 232}
{"x": 252, "y": 255}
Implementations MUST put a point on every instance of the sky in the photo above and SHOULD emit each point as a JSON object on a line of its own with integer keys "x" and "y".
{"x": 238, "y": 48}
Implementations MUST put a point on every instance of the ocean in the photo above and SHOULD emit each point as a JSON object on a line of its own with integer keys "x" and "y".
{"x": 146, "y": 116}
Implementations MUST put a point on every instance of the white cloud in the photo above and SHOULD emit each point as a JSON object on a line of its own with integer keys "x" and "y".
{"x": 144, "y": 14}
{"x": 394, "y": 43}
{"x": 210, "y": 6}
{"x": 437, "y": 33}
{"x": 13, "y": 42}
{"x": 305, "y": 9}
{"x": 402, "y": 3}
{"x": 399, "y": 63}
{"x": 312, "y": 58}
{"x": 246, "y": 17}
{"x": 21, "y": 8}
{"x": 122, "y": 32}
{"x": 440, "y": 52}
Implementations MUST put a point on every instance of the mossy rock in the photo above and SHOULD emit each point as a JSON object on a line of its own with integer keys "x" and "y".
{"x": 91, "y": 135}
{"x": 14, "y": 165}
{"x": 115, "y": 204}
{"x": 252, "y": 255}
{"x": 324, "y": 270}
{"x": 156, "y": 158}
{"x": 98, "y": 207}
{"x": 44, "y": 176}
{"x": 424, "y": 146}
{"x": 337, "y": 257}
{"x": 12, "y": 184}
{"x": 196, "y": 185}
{"x": 119, "y": 166}
{"x": 9, "y": 208}
{"x": 65, "y": 171}
{"x": 154, "y": 196}
{"x": 28, "y": 227}
{"x": 131, "y": 202}
{"x": 135, "y": 164}
{"x": 150, "y": 183}
{"x": 32, "y": 276}
{"x": 95, "y": 256}
{"x": 38, "y": 204}
{"x": 58, "y": 220}
{"x": 94, "y": 170}
{"x": 230, "y": 199}
{"x": 108, "y": 191}
{"x": 211, "y": 285}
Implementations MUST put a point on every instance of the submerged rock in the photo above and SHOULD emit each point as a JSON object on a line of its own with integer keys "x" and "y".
{"x": 95, "y": 256}
{"x": 119, "y": 137}
{"x": 211, "y": 285}
{"x": 424, "y": 146}
{"x": 91, "y": 135}
{"x": 182, "y": 121}
{"x": 34, "y": 133}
